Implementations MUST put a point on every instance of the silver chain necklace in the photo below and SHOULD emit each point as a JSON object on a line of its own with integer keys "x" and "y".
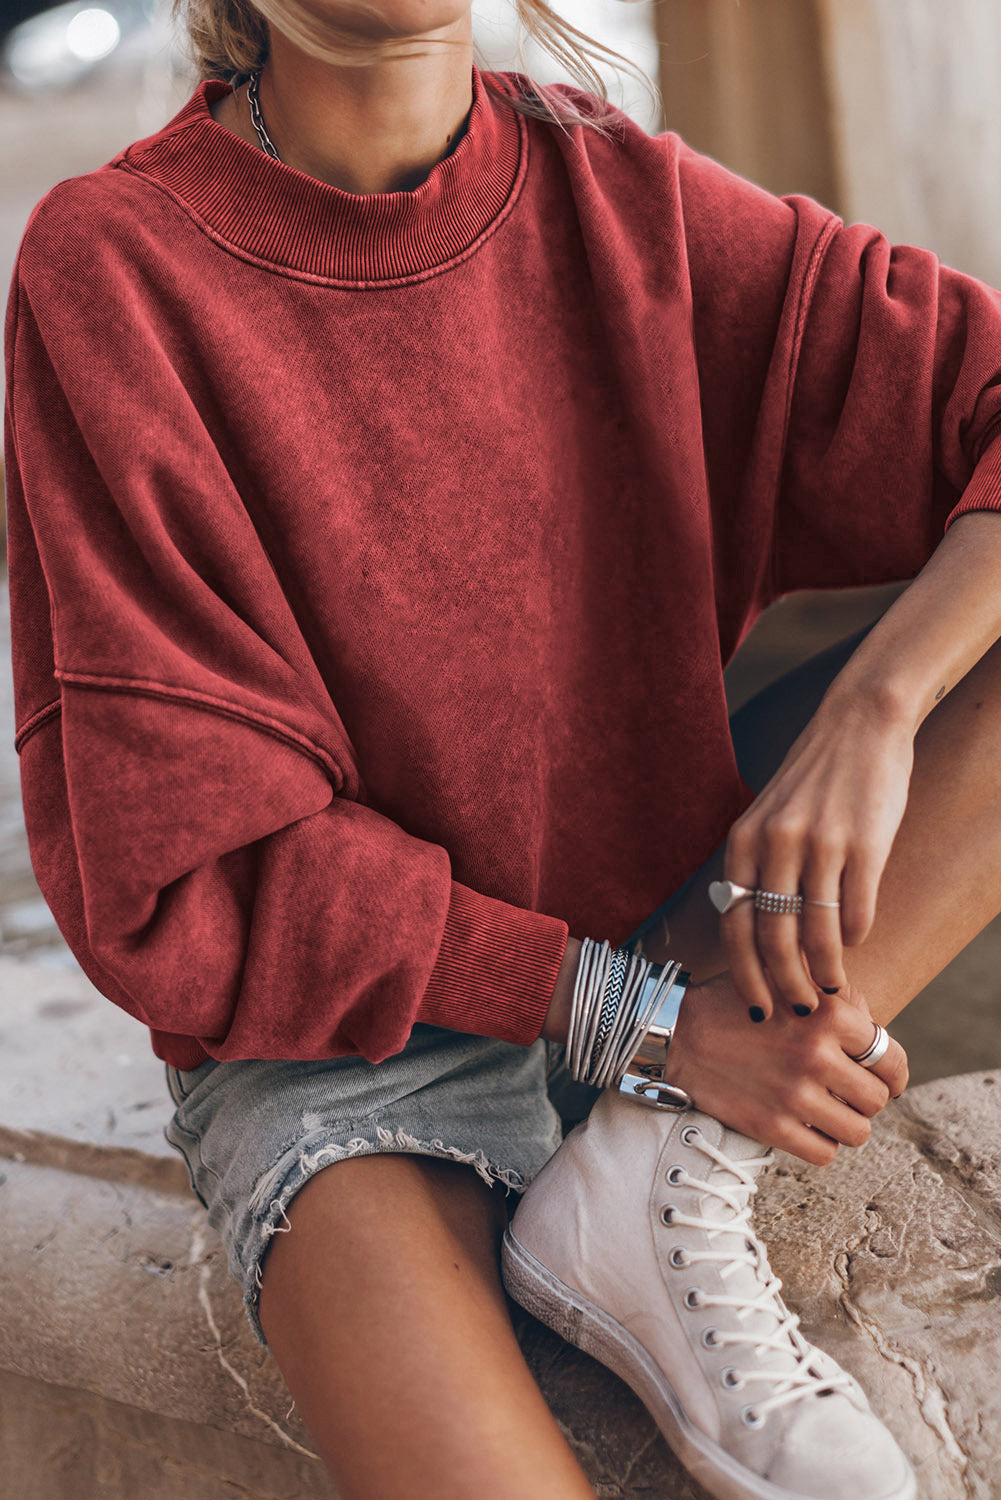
{"x": 255, "y": 114}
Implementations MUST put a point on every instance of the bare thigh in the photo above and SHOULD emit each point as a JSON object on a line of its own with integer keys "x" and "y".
{"x": 384, "y": 1309}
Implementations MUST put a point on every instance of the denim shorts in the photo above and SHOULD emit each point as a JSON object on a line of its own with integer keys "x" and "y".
{"x": 253, "y": 1132}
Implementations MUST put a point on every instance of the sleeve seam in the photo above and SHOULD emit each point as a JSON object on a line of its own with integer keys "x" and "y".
{"x": 345, "y": 782}
{"x": 15, "y": 330}
{"x": 810, "y": 277}
{"x": 35, "y": 721}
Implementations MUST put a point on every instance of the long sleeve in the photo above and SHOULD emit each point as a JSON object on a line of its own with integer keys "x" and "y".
{"x": 195, "y": 813}
{"x": 850, "y": 391}
{"x": 895, "y": 409}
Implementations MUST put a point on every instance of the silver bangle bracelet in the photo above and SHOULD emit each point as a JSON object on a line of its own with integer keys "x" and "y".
{"x": 623, "y": 1014}
{"x": 645, "y": 1078}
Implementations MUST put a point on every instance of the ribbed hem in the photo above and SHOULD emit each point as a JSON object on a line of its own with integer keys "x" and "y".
{"x": 277, "y": 214}
{"x": 496, "y": 969}
{"x": 984, "y": 489}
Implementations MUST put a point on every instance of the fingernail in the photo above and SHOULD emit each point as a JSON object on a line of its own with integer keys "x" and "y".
{"x": 756, "y": 1013}
{"x": 803, "y": 1010}
{"x": 827, "y": 991}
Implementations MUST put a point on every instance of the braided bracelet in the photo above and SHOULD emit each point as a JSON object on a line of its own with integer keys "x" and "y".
{"x": 622, "y": 1016}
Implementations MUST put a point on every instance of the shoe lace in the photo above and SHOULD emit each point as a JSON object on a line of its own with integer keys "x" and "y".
{"x": 790, "y": 1385}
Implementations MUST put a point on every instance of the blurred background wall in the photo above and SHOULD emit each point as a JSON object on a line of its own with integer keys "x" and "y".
{"x": 888, "y": 111}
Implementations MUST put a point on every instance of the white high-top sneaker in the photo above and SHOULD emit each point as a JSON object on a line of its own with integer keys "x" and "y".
{"x": 635, "y": 1244}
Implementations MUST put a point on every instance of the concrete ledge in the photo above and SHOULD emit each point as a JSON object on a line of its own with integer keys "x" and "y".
{"x": 60, "y": 1442}
{"x": 127, "y": 1368}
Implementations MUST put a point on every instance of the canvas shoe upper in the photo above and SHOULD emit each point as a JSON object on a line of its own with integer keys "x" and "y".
{"x": 636, "y": 1243}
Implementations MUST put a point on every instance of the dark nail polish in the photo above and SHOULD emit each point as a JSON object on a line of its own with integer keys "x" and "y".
{"x": 803, "y": 1010}
{"x": 826, "y": 991}
{"x": 756, "y": 1013}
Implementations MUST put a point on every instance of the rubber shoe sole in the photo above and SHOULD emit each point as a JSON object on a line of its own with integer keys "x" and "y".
{"x": 589, "y": 1328}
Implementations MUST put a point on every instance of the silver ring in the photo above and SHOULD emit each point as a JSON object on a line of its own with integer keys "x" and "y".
{"x": 725, "y": 895}
{"x": 778, "y": 904}
{"x": 876, "y": 1049}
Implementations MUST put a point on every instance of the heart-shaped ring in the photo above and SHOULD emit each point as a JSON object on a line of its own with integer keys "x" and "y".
{"x": 724, "y": 894}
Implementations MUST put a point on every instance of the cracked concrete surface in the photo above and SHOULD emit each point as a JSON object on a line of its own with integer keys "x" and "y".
{"x": 59, "y": 1442}
{"x": 928, "y": 1395}
{"x": 906, "y": 1234}
{"x": 199, "y": 1258}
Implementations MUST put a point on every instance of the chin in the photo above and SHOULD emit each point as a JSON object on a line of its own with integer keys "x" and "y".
{"x": 378, "y": 19}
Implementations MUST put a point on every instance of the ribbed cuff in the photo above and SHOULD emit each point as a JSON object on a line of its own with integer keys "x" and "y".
{"x": 496, "y": 969}
{"x": 984, "y": 489}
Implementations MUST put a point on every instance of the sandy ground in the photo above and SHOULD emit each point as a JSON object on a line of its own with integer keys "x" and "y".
{"x": 950, "y": 1028}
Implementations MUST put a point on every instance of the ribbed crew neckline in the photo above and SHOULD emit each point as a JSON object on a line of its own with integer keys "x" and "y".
{"x": 277, "y": 214}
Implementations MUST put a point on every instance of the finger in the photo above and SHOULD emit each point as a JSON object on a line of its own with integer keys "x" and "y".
{"x": 737, "y": 928}
{"x": 820, "y": 925}
{"x": 804, "y": 1141}
{"x": 860, "y": 885}
{"x": 824, "y": 1113}
{"x": 844, "y": 1124}
{"x": 860, "y": 1088}
{"x": 892, "y": 1069}
{"x": 855, "y": 1031}
{"x": 778, "y": 939}
{"x": 780, "y": 1130}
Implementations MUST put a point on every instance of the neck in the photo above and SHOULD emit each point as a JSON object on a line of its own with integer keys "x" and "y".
{"x": 380, "y": 128}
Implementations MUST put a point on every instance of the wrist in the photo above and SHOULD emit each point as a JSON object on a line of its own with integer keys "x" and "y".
{"x": 873, "y": 702}
{"x": 557, "y": 1023}
{"x": 616, "y": 1010}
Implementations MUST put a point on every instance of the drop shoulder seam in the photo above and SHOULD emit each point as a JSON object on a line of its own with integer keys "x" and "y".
{"x": 347, "y": 784}
{"x": 15, "y": 330}
{"x": 810, "y": 275}
{"x": 35, "y": 721}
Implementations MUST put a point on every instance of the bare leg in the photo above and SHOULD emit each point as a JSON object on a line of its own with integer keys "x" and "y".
{"x": 384, "y": 1310}
{"x": 942, "y": 883}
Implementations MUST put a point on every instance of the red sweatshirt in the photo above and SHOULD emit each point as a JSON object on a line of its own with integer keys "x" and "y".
{"x": 374, "y": 560}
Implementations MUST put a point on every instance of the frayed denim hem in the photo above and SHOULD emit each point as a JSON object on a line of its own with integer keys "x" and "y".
{"x": 280, "y": 1183}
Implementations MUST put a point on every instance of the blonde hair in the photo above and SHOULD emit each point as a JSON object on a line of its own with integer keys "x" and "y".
{"x": 228, "y": 39}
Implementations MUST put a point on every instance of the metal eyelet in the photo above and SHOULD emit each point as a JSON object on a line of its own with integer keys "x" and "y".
{"x": 731, "y": 1379}
{"x": 678, "y": 1258}
{"x": 709, "y": 1339}
{"x": 667, "y": 1213}
{"x": 674, "y": 1175}
{"x": 689, "y": 1134}
{"x": 751, "y": 1417}
{"x": 693, "y": 1298}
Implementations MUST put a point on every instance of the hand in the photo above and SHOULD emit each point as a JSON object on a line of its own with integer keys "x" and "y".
{"x": 791, "y": 1083}
{"x": 823, "y": 826}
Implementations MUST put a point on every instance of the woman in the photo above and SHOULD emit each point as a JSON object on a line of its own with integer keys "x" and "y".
{"x": 396, "y": 453}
